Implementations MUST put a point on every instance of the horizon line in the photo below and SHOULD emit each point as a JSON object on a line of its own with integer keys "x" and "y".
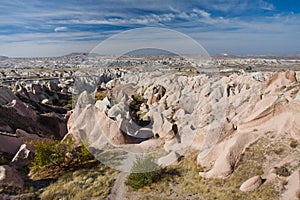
{"x": 223, "y": 54}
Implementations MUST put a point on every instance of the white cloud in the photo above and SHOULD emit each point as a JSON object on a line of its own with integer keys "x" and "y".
{"x": 60, "y": 28}
{"x": 197, "y": 16}
{"x": 142, "y": 20}
{"x": 202, "y": 13}
{"x": 54, "y": 37}
{"x": 48, "y": 23}
{"x": 265, "y": 5}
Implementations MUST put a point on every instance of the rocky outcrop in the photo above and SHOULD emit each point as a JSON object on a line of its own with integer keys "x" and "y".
{"x": 23, "y": 157}
{"x": 18, "y": 115}
{"x": 222, "y": 158}
{"x": 121, "y": 109}
{"x": 103, "y": 105}
{"x": 270, "y": 106}
{"x": 170, "y": 159}
{"x": 219, "y": 116}
{"x": 293, "y": 187}
{"x": 84, "y": 99}
{"x": 157, "y": 93}
{"x": 251, "y": 184}
{"x": 11, "y": 143}
{"x": 10, "y": 177}
{"x": 6, "y": 95}
{"x": 22, "y": 109}
{"x": 54, "y": 124}
{"x": 94, "y": 127}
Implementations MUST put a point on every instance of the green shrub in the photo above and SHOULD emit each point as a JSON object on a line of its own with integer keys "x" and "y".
{"x": 84, "y": 154}
{"x": 47, "y": 153}
{"x": 59, "y": 154}
{"x": 70, "y": 102}
{"x": 144, "y": 172}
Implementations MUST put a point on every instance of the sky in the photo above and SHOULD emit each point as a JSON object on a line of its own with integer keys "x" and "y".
{"x": 34, "y": 28}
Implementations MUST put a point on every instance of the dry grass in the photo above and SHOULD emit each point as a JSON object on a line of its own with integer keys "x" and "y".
{"x": 182, "y": 181}
{"x": 82, "y": 184}
{"x": 189, "y": 73}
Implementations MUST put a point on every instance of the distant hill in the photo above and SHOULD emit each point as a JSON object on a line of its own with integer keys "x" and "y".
{"x": 279, "y": 56}
{"x": 149, "y": 52}
{"x": 157, "y": 52}
{"x": 296, "y": 55}
{"x": 76, "y": 54}
{"x": 3, "y": 57}
{"x": 266, "y": 56}
{"x": 138, "y": 52}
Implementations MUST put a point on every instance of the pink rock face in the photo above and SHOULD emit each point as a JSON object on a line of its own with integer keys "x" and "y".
{"x": 226, "y": 115}
{"x": 92, "y": 125}
{"x": 278, "y": 80}
{"x": 157, "y": 93}
{"x": 170, "y": 159}
{"x": 251, "y": 184}
{"x": 293, "y": 186}
{"x": 224, "y": 156}
{"x": 166, "y": 130}
{"x": 10, "y": 177}
{"x": 269, "y": 106}
{"x": 70, "y": 120}
{"x": 162, "y": 126}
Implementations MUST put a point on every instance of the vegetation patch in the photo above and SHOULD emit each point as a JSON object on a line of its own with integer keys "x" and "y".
{"x": 101, "y": 94}
{"x": 144, "y": 172}
{"x": 61, "y": 170}
{"x": 57, "y": 154}
{"x": 90, "y": 183}
{"x": 182, "y": 181}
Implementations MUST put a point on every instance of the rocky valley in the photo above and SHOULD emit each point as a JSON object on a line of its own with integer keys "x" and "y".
{"x": 76, "y": 128}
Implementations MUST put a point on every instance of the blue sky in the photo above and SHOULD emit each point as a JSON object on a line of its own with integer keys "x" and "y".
{"x": 52, "y": 28}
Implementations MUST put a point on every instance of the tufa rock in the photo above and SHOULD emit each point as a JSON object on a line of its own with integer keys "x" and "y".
{"x": 170, "y": 159}
{"x": 251, "y": 184}
{"x": 84, "y": 99}
{"x": 103, "y": 105}
{"x": 23, "y": 157}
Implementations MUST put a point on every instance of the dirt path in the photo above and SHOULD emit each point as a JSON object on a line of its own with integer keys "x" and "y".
{"x": 118, "y": 189}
